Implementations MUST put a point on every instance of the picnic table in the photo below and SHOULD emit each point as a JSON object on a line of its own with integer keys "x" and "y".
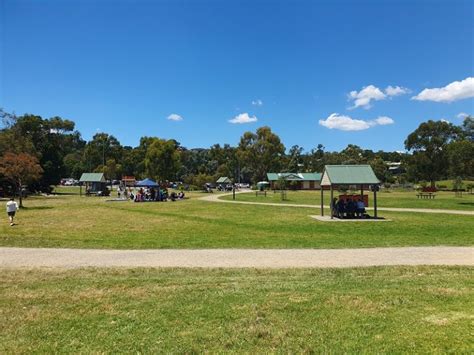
{"x": 258, "y": 192}
{"x": 426, "y": 195}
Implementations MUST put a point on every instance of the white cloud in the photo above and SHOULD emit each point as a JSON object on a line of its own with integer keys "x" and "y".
{"x": 396, "y": 90}
{"x": 257, "y": 102}
{"x": 243, "y": 118}
{"x": 383, "y": 121}
{"x": 346, "y": 123}
{"x": 457, "y": 90}
{"x": 174, "y": 117}
{"x": 367, "y": 94}
{"x": 462, "y": 115}
{"x": 444, "y": 120}
{"x": 373, "y": 93}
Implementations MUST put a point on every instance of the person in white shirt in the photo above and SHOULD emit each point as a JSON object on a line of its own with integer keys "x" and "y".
{"x": 12, "y": 207}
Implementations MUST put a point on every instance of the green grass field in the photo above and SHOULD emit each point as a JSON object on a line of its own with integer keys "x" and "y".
{"x": 91, "y": 222}
{"x": 375, "y": 310}
{"x": 449, "y": 184}
{"x": 400, "y": 199}
{"x": 369, "y": 310}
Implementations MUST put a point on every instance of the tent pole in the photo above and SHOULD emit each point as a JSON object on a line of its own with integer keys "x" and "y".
{"x": 322, "y": 202}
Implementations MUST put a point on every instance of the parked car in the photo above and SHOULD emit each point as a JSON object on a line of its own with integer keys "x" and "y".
{"x": 69, "y": 182}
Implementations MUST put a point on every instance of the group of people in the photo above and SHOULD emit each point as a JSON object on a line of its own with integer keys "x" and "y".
{"x": 348, "y": 208}
{"x": 148, "y": 194}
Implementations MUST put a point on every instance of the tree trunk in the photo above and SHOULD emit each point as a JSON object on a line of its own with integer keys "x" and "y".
{"x": 433, "y": 184}
{"x": 20, "y": 193}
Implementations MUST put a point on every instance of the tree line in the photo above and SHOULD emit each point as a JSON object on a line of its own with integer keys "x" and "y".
{"x": 38, "y": 152}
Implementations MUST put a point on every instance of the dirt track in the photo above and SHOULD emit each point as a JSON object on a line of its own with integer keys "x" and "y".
{"x": 236, "y": 258}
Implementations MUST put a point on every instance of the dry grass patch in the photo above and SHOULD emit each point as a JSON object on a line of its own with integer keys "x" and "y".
{"x": 383, "y": 309}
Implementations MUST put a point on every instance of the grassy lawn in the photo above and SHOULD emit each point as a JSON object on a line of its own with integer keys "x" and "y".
{"x": 402, "y": 199}
{"x": 450, "y": 183}
{"x": 395, "y": 309}
{"x": 91, "y": 222}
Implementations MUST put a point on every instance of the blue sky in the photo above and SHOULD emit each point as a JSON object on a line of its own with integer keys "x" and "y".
{"x": 126, "y": 67}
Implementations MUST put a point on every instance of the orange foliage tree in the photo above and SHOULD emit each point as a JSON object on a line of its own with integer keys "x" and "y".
{"x": 20, "y": 169}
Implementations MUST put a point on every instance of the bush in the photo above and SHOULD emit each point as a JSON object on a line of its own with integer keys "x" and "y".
{"x": 201, "y": 179}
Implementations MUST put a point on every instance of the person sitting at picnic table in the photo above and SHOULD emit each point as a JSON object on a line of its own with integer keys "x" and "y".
{"x": 340, "y": 207}
{"x": 360, "y": 210}
{"x": 181, "y": 195}
{"x": 165, "y": 194}
{"x": 350, "y": 208}
{"x": 334, "y": 207}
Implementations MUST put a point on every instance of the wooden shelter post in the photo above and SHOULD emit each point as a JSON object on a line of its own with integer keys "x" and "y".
{"x": 331, "y": 205}
{"x": 322, "y": 202}
{"x": 375, "y": 201}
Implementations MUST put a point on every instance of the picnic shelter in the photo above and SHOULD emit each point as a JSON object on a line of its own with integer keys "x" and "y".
{"x": 223, "y": 180}
{"x": 94, "y": 183}
{"x": 337, "y": 176}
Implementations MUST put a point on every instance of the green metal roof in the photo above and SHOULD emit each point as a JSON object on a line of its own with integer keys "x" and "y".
{"x": 223, "y": 180}
{"x": 294, "y": 176}
{"x": 349, "y": 175}
{"x": 92, "y": 177}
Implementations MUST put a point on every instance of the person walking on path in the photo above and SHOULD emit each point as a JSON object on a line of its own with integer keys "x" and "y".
{"x": 12, "y": 207}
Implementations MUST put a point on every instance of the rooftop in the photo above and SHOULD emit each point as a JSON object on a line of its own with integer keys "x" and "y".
{"x": 349, "y": 175}
{"x": 294, "y": 176}
{"x": 92, "y": 177}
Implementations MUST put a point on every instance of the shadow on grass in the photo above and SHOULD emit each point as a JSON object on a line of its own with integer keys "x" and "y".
{"x": 467, "y": 203}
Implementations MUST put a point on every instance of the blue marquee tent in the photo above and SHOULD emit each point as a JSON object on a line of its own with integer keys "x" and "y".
{"x": 146, "y": 183}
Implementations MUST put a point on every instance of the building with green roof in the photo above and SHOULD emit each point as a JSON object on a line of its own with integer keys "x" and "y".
{"x": 298, "y": 181}
{"x": 224, "y": 180}
{"x": 92, "y": 177}
{"x": 94, "y": 182}
{"x": 357, "y": 176}
{"x": 349, "y": 175}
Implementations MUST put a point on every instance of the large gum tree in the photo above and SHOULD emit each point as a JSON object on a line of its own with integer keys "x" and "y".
{"x": 429, "y": 144}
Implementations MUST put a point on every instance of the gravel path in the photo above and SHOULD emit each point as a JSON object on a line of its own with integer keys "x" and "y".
{"x": 215, "y": 198}
{"x": 235, "y": 258}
